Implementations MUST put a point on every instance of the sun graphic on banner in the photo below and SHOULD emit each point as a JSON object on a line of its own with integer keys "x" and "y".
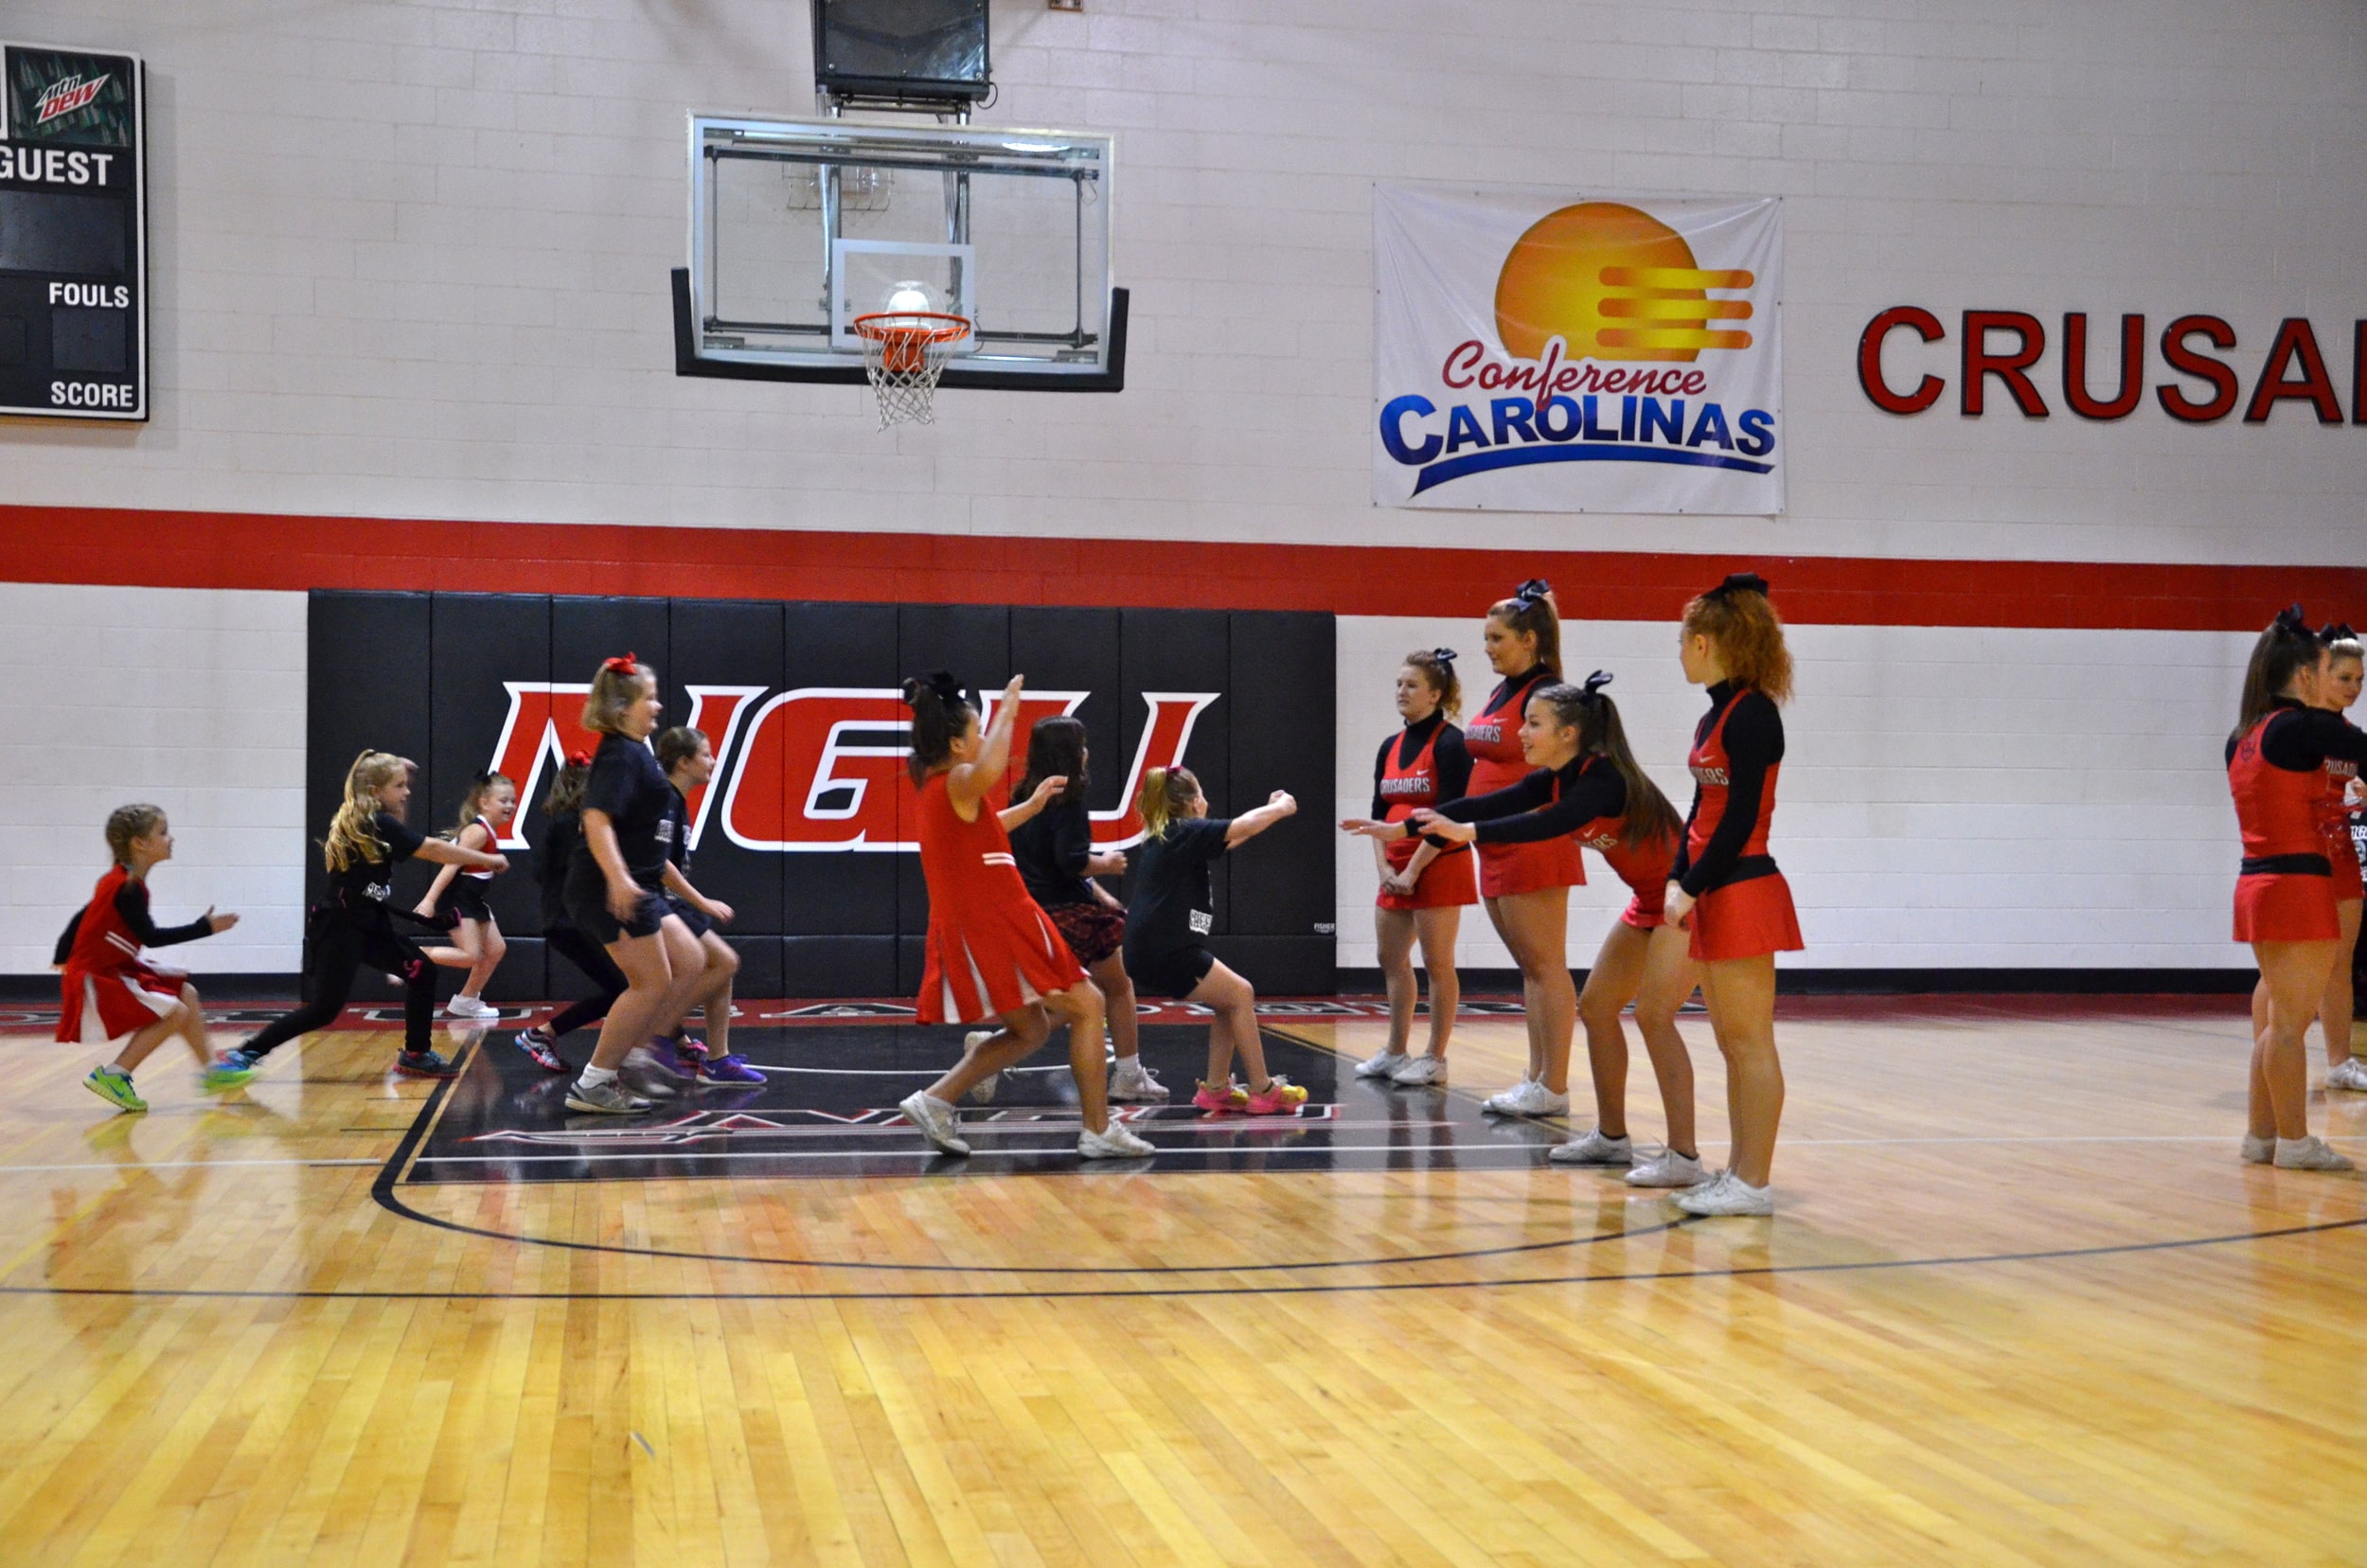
{"x": 1613, "y": 283}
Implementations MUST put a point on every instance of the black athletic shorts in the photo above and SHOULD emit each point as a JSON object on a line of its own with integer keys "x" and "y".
{"x": 700, "y": 925}
{"x": 1176, "y": 973}
{"x": 464, "y": 897}
{"x": 592, "y": 917}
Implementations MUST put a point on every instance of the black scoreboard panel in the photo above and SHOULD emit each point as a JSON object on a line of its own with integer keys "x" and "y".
{"x": 73, "y": 234}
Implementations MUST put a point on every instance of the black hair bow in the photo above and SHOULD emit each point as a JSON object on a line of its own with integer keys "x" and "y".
{"x": 1532, "y": 592}
{"x": 1738, "y": 582}
{"x": 2335, "y": 632}
{"x": 2291, "y": 619}
{"x": 1595, "y": 683}
{"x": 941, "y": 685}
{"x": 1445, "y": 655}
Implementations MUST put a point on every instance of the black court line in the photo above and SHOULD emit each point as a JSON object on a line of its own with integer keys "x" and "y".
{"x": 1747, "y": 1271}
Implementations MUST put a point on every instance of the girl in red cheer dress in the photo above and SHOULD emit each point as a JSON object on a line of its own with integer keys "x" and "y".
{"x": 991, "y": 953}
{"x": 2285, "y": 894}
{"x": 109, "y": 991}
{"x": 1526, "y": 886}
{"x": 1424, "y": 883}
{"x": 1724, "y": 888}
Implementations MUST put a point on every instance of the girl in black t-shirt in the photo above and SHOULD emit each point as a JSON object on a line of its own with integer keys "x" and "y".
{"x": 562, "y": 829}
{"x": 353, "y": 925}
{"x": 617, "y": 879}
{"x": 1174, "y": 910}
{"x": 1053, "y": 842}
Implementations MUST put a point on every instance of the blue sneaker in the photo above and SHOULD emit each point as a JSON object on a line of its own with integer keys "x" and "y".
{"x": 539, "y": 1044}
{"x": 226, "y": 1073}
{"x": 730, "y": 1069}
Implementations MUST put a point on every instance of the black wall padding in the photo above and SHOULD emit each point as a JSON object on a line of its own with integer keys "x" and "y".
{"x": 1280, "y": 689}
{"x": 728, "y": 643}
{"x": 833, "y": 895}
{"x": 423, "y": 675}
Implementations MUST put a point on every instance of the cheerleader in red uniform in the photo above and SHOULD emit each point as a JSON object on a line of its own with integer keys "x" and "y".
{"x": 2337, "y": 693}
{"x": 991, "y": 953}
{"x": 1724, "y": 888}
{"x": 109, "y": 992}
{"x": 1424, "y": 883}
{"x": 2285, "y": 894}
{"x": 1526, "y": 886}
{"x": 1589, "y": 787}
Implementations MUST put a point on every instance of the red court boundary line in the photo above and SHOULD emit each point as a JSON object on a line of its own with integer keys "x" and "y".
{"x": 198, "y": 549}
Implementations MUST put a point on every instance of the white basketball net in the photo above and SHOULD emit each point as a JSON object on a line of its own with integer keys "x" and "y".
{"x": 904, "y": 362}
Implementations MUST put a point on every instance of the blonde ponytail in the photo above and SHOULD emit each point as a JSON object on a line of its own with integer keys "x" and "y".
{"x": 353, "y": 833}
{"x": 1167, "y": 793}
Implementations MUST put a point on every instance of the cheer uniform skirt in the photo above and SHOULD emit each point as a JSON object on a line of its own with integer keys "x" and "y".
{"x": 100, "y": 1008}
{"x": 2285, "y": 906}
{"x": 464, "y": 897}
{"x": 996, "y": 958}
{"x": 1507, "y": 869}
{"x": 1091, "y": 931}
{"x": 1744, "y": 920}
{"x": 2344, "y": 856}
{"x": 1646, "y": 912}
{"x": 1446, "y": 882}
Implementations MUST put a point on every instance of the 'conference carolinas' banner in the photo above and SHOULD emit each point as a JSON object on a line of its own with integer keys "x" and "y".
{"x": 1536, "y": 354}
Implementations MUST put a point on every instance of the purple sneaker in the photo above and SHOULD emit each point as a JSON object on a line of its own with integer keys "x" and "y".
{"x": 539, "y": 1044}
{"x": 730, "y": 1069}
{"x": 671, "y": 1057}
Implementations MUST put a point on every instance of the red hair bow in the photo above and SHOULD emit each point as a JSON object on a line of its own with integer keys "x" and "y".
{"x": 579, "y": 758}
{"x": 623, "y": 665}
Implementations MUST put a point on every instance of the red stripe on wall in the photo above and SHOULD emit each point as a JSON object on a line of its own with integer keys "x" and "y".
{"x": 188, "y": 549}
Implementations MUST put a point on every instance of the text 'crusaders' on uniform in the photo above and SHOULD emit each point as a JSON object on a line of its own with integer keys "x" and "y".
{"x": 1424, "y": 765}
{"x": 1493, "y": 739}
{"x": 1742, "y": 906}
{"x": 2277, "y": 772}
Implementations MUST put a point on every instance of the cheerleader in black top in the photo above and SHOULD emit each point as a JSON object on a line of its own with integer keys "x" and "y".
{"x": 2286, "y": 895}
{"x": 353, "y": 925}
{"x": 1052, "y": 839}
{"x": 2337, "y": 693}
{"x": 617, "y": 879}
{"x": 562, "y": 829}
{"x": 1725, "y": 888}
{"x": 688, "y": 757}
{"x": 1425, "y": 882}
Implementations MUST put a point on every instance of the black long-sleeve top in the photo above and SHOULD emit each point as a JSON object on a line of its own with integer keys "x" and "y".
{"x": 1754, "y": 742}
{"x": 131, "y": 906}
{"x": 1450, "y": 763}
{"x": 2299, "y": 739}
{"x": 1529, "y": 811}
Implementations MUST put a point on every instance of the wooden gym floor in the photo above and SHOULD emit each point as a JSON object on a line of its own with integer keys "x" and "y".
{"x": 2021, "y": 1304}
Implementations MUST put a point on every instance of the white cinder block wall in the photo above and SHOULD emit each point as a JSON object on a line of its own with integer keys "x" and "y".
{"x": 410, "y": 259}
{"x": 185, "y": 698}
{"x": 1951, "y": 797}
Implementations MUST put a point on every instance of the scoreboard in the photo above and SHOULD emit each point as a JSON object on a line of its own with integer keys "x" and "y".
{"x": 73, "y": 234}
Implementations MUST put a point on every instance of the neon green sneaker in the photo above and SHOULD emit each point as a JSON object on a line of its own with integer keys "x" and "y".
{"x": 225, "y": 1074}
{"x": 115, "y": 1087}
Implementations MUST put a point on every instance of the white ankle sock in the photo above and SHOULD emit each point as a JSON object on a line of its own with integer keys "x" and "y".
{"x": 594, "y": 1077}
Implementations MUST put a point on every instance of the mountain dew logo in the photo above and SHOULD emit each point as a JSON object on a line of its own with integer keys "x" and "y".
{"x": 74, "y": 97}
{"x": 64, "y": 98}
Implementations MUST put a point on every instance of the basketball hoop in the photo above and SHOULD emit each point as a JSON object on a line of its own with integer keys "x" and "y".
{"x": 903, "y": 354}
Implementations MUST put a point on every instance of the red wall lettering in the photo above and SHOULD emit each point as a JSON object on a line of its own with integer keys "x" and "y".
{"x": 2012, "y": 369}
{"x": 2132, "y": 384}
{"x": 1927, "y": 390}
{"x": 2187, "y": 362}
{"x": 2294, "y": 340}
